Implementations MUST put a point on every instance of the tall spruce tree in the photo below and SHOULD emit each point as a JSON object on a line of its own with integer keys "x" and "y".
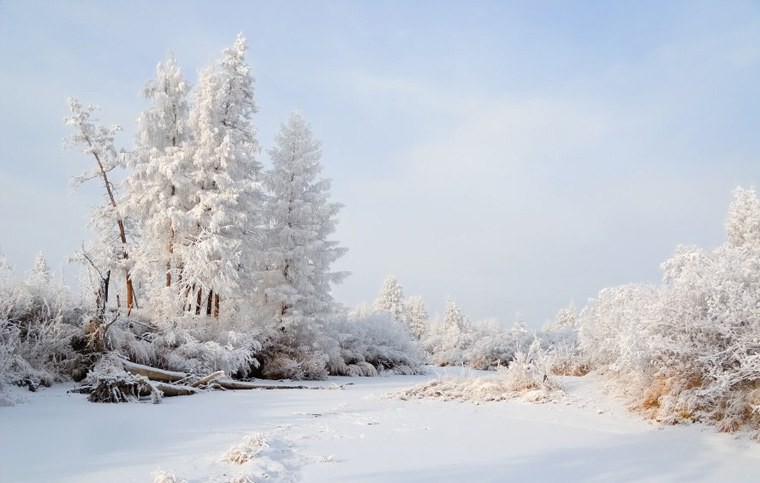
{"x": 299, "y": 220}
{"x": 391, "y": 299}
{"x": 219, "y": 259}
{"x": 159, "y": 189}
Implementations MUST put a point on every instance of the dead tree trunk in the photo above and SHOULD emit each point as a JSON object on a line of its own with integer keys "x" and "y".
{"x": 119, "y": 221}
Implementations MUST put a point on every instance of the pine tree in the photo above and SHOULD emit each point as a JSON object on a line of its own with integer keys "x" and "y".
{"x": 159, "y": 188}
{"x": 40, "y": 273}
{"x": 219, "y": 261}
{"x": 743, "y": 221}
{"x": 453, "y": 320}
{"x": 391, "y": 299}
{"x": 417, "y": 316}
{"x": 299, "y": 221}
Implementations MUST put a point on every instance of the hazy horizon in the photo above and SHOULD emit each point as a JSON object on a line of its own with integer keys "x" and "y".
{"x": 510, "y": 155}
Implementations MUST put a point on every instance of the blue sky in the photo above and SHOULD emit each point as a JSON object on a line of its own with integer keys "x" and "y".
{"x": 510, "y": 155}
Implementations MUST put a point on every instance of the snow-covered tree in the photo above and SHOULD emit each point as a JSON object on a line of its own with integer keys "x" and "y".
{"x": 40, "y": 273}
{"x": 109, "y": 252}
{"x": 219, "y": 259}
{"x": 391, "y": 299}
{"x": 448, "y": 340}
{"x": 417, "y": 316}
{"x": 300, "y": 219}
{"x": 453, "y": 319}
{"x": 743, "y": 223}
{"x": 159, "y": 188}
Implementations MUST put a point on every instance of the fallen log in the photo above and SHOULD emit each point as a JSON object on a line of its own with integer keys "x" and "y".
{"x": 153, "y": 373}
{"x": 242, "y": 385}
{"x": 169, "y": 390}
{"x": 178, "y": 383}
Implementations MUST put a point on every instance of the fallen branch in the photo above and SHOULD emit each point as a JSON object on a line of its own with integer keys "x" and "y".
{"x": 242, "y": 385}
{"x": 175, "y": 383}
{"x": 169, "y": 390}
{"x": 153, "y": 373}
{"x": 207, "y": 379}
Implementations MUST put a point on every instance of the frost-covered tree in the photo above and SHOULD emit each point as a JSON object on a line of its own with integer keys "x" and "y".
{"x": 448, "y": 340}
{"x": 219, "y": 258}
{"x": 417, "y": 316}
{"x": 300, "y": 219}
{"x": 391, "y": 299}
{"x": 40, "y": 273}
{"x": 743, "y": 223}
{"x": 110, "y": 251}
{"x": 453, "y": 319}
{"x": 159, "y": 189}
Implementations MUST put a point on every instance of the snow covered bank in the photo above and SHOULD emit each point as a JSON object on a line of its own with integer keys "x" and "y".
{"x": 359, "y": 434}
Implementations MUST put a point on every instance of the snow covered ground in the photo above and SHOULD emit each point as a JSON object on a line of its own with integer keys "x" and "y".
{"x": 358, "y": 434}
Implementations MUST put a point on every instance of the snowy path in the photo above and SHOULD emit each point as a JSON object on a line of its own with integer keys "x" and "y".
{"x": 357, "y": 434}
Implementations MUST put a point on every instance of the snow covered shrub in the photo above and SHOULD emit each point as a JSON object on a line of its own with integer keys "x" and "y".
{"x": 494, "y": 347}
{"x": 688, "y": 349}
{"x": 282, "y": 361}
{"x": 14, "y": 369}
{"x": 373, "y": 342}
{"x": 299, "y": 352}
{"x": 163, "y": 476}
{"x": 193, "y": 348}
{"x": 561, "y": 345}
{"x": 251, "y": 447}
{"x": 39, "y": 320}
{"x": 526, "y": 378}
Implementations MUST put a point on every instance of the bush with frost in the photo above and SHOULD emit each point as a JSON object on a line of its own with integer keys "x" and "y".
{"x": 370, "y": 342}
{"x": 527, "y": 377}
{"x": 40, "y": 324}
{"x": 689, "y": 348}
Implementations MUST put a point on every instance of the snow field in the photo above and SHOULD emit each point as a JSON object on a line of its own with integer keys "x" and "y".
{"x": 359, "y": 433}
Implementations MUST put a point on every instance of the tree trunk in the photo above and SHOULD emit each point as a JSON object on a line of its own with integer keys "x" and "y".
{"x": 216, "y": 305}
{"x": 209, "y": 302}
{"x": 153, "y": 373}
{"x": 188, "y": 291}
{"x": 105, "y": 282}
{"x": 119, "y": 221}
{"x": 130, "y": 294}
